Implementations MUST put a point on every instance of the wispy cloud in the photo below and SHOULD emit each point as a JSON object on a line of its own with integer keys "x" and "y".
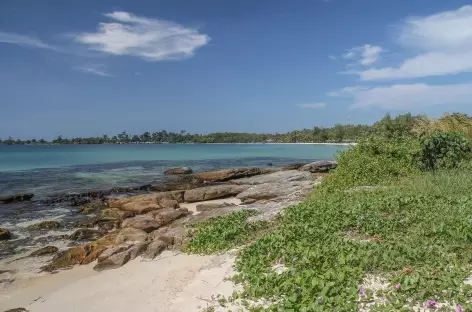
{"x": 445, "y": 40}
{"x": 94, "y": 69}
{"x": 27, "y": 41}
{"x": 312, "y": 105}
{"x": 407, "y": 96}
{"x": 364, "y": 55}
{"x": 146, "y": 38}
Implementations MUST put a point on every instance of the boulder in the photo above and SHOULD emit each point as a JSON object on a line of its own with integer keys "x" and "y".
{"x": 115, "y": 213}
{"x": 113, "y": 250}
{"x": 294, "y": 166}
{"x": 154, "y": 249}
{"x": 83, "y": 254}
{"x": 149, "y": 199}
{"x": 87, "y": 234}
{"x": 131, "y": 235}
{"x": 276, "y": 177}
{"x": 114, "y": 261}
{"x": 144, "y": 222}
{"x": 276, "y": 190}
{"x": 169, "y": 203}
{"x": 227, "y": 174}
{"x": 181, "y": 170}
{"x": 213, "y": 192}
{"x": 140, "y": 207}
{"x": 15, "y": 198}
{"x": 4, "y": 234}
{"x": 170, "y": 235}
{"x": 167, "y": 216}
{"x": 211, "y": 206}
{"x": 45, "y": 225}
{"x": 319, "y": 166}
{"x": 48, "y": 250}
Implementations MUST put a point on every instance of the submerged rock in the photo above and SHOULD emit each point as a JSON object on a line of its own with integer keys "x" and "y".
{"x": 4, "y": 234}
{"x": 213, "y": 192}
{"x": 181, "y": 170}
{"x": 48, "y": 250}
{"x": 45, "y": 225}
{"x": 15, "y": 198}
{"x": 319, "y": 166}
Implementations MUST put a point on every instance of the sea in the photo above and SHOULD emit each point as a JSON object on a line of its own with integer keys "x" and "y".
{"x": 57, "y": 169}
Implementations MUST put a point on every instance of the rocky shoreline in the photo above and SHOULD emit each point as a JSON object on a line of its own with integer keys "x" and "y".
{"x": 124, "y": 223}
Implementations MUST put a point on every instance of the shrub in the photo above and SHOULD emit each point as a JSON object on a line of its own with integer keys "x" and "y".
{"x": 443, "y": 150}
{"x": 373, "y": 160}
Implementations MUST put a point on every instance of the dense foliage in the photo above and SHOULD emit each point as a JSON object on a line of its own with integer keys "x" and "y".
{"x": 443, "y": 150}
{"x": 389, "y": 230}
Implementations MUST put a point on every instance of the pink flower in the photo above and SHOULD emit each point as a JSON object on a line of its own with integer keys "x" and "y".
{"x": 362, "y": 292}
{"x": 459, "y": 308}
{"x": 398, "y": 286}
{"x": 431, "y": 304}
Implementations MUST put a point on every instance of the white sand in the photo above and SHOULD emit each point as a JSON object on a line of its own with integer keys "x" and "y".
{"x": 171, "y": 283}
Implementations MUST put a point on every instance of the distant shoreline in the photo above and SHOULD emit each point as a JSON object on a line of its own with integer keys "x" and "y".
{"x": 152, "y": 143}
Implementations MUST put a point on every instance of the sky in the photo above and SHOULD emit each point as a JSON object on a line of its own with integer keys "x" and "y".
{"x": 87, "y": 68}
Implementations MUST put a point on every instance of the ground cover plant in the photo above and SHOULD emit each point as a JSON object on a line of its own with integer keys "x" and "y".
{"x": 385, "y": 212}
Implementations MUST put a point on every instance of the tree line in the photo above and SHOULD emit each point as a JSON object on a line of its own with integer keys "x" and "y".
{"x": 388, "y": 126}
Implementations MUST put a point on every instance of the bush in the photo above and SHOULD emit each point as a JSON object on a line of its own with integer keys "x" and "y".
{"x": 443, "y": 150}
{"x": 373, "y": 160}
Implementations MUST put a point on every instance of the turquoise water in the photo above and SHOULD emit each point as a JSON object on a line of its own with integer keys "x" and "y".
{"x": 27, "y": 157}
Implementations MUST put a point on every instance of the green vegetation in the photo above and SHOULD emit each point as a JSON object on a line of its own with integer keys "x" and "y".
{"x": 224, "y": 232}
{"x": 398, "y": 209}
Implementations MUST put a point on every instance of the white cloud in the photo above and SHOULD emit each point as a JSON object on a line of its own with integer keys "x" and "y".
{"x": 312, "y": 105}
{"x": 13, "y": 38}
{"x": 409, "y": 96}
{"x": 146, "y": 38}
{"x": 364, "y": 55}
{"x": 94, "y": 69}
{"x": 445, "y": 39}
{"x": 347, "y": 91}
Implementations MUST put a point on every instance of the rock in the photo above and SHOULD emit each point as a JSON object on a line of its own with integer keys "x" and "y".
{"x": 276, "y": 190}
{"x": 148, "y": 198}
{"x": 270, "y": 164}
{"x": 167, "y": 216}
{"x": 140, "y": 207}
{"x": 211, "y": 206}
{"x": 170, "y": 235}
{"x": 15, "y": 198}
{"x": 48, "y": 250}
{"x": 17, "y": 310}
{"x": 113, "y": 250}
{"x": 79, "y": 201}
{"x": 131, "y": 235}
{"x": 213, "y": 192}
{"x": 319, "y": 166}
{"x": 227, "y": 174}
{"x": 80, "y": 254}
{"x": 45, "y": 225}
{"x": 115, "y": 213}
{"x": 144, "y": 222}
{"x": 90, "y": 206}
{"x": 87, "y": 234}
{"x": 169, "y": 203}
{"x": 114, "y": 261}
{"x": 138, "y": 249}
{"x": 294, "y": 166}
{"x": 276, "y": 177}
{"x": 4, "y": 234}
{"x": 181, "y": 170}
{"x": 154, "y": 249}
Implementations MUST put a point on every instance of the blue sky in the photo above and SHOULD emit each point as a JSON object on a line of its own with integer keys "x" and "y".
{"x": 81, "y": 68}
